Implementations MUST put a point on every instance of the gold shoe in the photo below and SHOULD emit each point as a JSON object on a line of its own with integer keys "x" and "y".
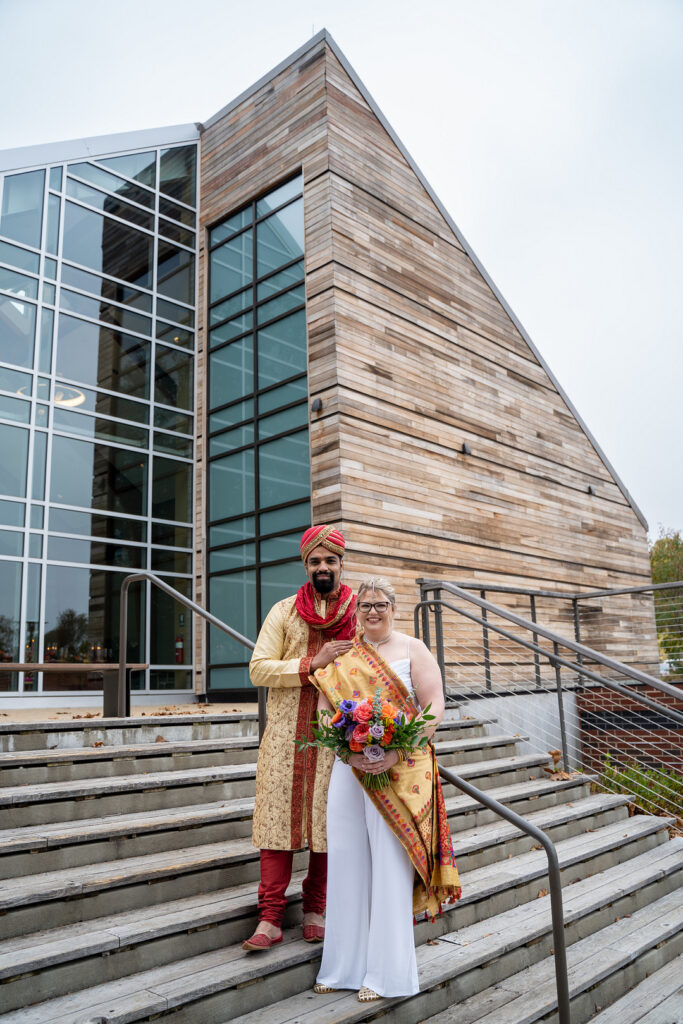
{"x": 322, "y": 989}
{"x": 367, "y": 995}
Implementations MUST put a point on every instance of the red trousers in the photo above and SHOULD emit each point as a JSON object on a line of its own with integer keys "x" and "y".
{"x": 276, "y": 874}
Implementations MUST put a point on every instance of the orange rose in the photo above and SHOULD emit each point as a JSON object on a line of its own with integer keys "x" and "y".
{"x": 361, "y": 733}
{"x": 388, "y": 710}
{"x": 357, "y": 748}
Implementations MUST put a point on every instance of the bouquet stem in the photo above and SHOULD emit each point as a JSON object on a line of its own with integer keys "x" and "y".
{"x": 376, "y": 782}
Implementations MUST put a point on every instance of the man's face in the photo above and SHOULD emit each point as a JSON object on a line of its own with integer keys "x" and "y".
{"x": 323, "y": 569}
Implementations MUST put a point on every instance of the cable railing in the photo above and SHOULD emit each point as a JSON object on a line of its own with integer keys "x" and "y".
{"x": 591, "y": 712}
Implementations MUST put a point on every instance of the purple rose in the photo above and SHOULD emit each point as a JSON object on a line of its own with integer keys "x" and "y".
{"x": 377, "y": 731}
{"x": 373, "y": 753}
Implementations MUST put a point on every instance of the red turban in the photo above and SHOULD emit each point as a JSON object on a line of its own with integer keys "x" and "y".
{"x": 326, "y": 536}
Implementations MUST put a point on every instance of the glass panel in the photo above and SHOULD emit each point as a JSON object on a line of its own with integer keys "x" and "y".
{"x": 234, "y": 414}
{"x": 283, "y": 279}
{"x": 231, "y": 266}
{"x": 17, "y": 331}
{"x": 171, "y": 536}
{"x": 21, "y": 218}
{"x": 232, "y": 485}
{"x": 288, "y": 419}
{"x": 37, "y": 517}
{"x": 175, "y": 273}
{"x": 67, "y": 549}
{"x": 280, "y": 581}
{"x": 107, "y": 246}
{"x": 284, "y": 469}
{"x": 47, "y": 321}
{"x": 280, "y": 238}
{"x": 283, "y": 304}
{"x": 165, "y": 679}
{"x": 49, "y": 292}
{"x": 179, "y": 314}
{"x": 109, "y": 527}
{"x": 171, "y": 420}
{"x": 21, "y": 258}
{"x": 15, "y": 409}
{"x": 231, "y": 329}
{"x": 171, "y": 490}
{"x": 52, "y": 233}
{"x": 68, "y": 397}
{"x": 236, "y": 304}
{"x": 169, "y": 209}
{"x": 50, "y": 268}
{"x": 11, "y": 543}
{"x": 231, "y": 372}
{"x": 39, "y": 458}
{"x": 43, "y": 389}
{"x": 97, "y": 310}
{"x": 232, "y": 439}
{"x": 114, "y": 290}
{"x": 230, "y": 226}
{"x": 141, "y": 166}
{"x": 15, "y": 381}
{"x": 111, "y": 182}
{"x": 176, "y": 233}
{"x": 173, "y": 445}
{"x": 226, "y": 533}
{"x": 18, "y": 284}
{"x": 82, "y": 621}
{"x": 108, "y": 204}
{"x": 282, "y": 349}
{"x": 173, "y": 377}
{"x": 12, "y": 513}
{"x": 42, "y": 415}
{"x": 232, "y": 599}
{"x": 102, "y": 357}
{"x": 13, "y": 460}
{"x": 230, "y": 679}
{"x": 171, "y": 561}
{"x": 171, "y": 626}
{"x": 10, "y": 604}
{"x": 96, "y": 476}
{"x": 177, "y": 174}
{"x": 281, "y": 547}
{"x": 279, "y": 196}
{"x": 176, "y": 335}
{"x": 232, "y": 558}
{"x": 56, "y": 178}
{"x": 32, "y": 613}
{"x": 104, "y": 430}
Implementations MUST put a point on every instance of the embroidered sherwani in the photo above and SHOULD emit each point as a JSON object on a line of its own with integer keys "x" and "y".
{"x": 291, "y": 785}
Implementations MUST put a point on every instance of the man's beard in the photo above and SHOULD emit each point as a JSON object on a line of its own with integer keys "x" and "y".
{"x": 324, "y": 585}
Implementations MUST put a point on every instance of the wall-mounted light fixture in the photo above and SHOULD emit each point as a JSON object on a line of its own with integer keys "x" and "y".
{"x": 591, "y": 489}
{"x": 316, "y": 405}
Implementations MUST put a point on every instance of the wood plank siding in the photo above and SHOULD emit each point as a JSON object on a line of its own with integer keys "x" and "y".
{"x": 413, "y": 354}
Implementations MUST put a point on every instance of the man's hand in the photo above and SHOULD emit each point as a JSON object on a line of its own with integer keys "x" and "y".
{"x": 331, "y": 650}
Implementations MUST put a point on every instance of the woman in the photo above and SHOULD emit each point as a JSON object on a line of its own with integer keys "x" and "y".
{"x": 389, "y": 852}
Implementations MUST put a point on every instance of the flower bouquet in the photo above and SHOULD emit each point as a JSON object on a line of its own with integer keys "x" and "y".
{"x": 369, "y": 727}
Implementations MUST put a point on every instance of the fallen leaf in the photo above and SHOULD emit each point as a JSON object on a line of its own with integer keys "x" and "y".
{"x": 432, "y": 942}
{"x": 160, "y": 739}
{"x": 542, "y": 892}
{"x": 537, "y": 846}
{"x": 98, "y": 743}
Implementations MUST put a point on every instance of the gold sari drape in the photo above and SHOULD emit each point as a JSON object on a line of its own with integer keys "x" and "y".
{"x": 412, "y": 804}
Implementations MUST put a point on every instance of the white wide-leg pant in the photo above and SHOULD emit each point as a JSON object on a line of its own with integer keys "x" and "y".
{"x": 369, "y": 919}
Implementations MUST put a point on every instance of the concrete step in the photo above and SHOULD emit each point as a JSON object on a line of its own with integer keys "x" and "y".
{"x": 656, "y": 1000}
{"x": 218, "y": 985}
{"x": 92, "y": 840}
{"x": 601, "y": 968}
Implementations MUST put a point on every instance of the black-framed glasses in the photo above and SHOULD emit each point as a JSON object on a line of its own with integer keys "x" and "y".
{"x": 380, "y": 607}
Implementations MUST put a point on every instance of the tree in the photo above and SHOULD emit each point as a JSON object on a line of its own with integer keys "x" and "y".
{"x": 666, "y": 563}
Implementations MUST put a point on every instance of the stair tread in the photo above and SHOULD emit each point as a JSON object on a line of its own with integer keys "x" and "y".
{"x": 181, "y": 982}
{"x": 37, "y": 792}
{"x": 656, "y": 1000}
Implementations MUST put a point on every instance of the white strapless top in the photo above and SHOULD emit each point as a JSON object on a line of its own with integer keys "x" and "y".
{"x": 402, "y": 669}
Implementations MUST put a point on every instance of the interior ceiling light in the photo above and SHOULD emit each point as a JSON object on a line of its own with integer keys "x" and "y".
{"x": 69, "y": 398}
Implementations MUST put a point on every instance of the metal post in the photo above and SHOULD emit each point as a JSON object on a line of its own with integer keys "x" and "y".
{"x": 560, "y": 705}
{"x": 537, "y": 660}
{"x": 438, "y": 630}
{"x": 425, "y": 622}
{"x": 487, "y": 653}
{"x": 123, "y": 693}
{"x": 577, "y": 631}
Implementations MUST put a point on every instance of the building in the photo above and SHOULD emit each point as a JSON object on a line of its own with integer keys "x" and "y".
{"x": 212, "y": 335}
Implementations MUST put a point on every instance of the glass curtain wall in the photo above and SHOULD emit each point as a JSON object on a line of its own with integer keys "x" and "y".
{"x": 259, "y": 462}
{"x": 97, "y": 318}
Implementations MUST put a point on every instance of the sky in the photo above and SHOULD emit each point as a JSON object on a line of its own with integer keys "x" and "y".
{"x": 551, "y": 130}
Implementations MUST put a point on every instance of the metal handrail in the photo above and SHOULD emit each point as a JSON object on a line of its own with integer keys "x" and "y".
{"x": 549, "y": 634}
{"x": 122, "y": 690}
{"x": 567, "y": 595}
{"x": 554, "y": 880}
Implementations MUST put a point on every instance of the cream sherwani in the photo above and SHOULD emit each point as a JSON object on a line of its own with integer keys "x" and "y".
{"x": 291, "y": 785}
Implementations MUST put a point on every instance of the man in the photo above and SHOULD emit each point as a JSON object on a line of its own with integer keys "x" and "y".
{"x": 303, "y": 633}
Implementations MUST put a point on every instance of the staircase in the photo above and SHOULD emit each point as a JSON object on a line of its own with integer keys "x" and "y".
{"x": 128, "y": 882}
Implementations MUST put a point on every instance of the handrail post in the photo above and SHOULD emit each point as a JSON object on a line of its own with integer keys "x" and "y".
{"x": 425, "y": 621}
{"x": 577, "y": 631}
{"x": 560, "y": 707}
{"x": 487, "y": 652}
{"x": 122, "y": 688}
{"x": 537, "y": 660}
{"x": 438, "y": 634}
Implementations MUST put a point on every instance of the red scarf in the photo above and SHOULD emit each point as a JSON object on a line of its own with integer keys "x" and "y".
{"x": 340, "y": 620}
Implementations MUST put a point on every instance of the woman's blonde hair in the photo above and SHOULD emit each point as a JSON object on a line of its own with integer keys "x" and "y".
{"x": 378, "y": 583}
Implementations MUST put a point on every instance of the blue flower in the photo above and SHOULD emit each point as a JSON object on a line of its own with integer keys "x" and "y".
{"x": 347, "y": 706}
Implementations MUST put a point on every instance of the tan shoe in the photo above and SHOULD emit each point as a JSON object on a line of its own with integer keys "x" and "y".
{"x": 322, "y": 989}
{"x": 367, "y": 995}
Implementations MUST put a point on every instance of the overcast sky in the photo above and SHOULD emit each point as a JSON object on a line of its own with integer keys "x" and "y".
{"x": 552, "y": 131}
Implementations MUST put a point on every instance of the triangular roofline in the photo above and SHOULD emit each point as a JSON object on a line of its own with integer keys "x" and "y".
{"x": 318, "y": 41}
